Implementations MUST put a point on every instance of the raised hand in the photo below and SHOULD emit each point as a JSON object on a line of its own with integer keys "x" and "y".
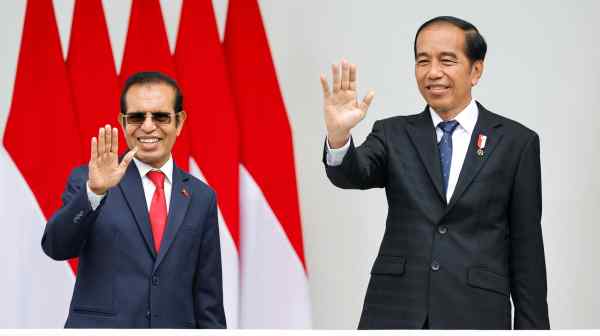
{"x": 342, "y": 109}
{"x": 105, "y": 171}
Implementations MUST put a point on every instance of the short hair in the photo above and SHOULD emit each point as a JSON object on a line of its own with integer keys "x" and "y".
{"x": 151, "y": 77}
{"x": 475, "y": 45}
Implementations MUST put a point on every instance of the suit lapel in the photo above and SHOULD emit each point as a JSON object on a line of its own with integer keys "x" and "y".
{"x": 180, "y": 201}
{"x": 133, "y": 191}
{"x": 488, "y": 125}
{"x": 422, "y": 134}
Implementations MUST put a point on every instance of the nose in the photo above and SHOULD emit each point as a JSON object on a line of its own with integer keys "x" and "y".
{"x": 148, "y": 125}
{"x": 435, "y": 71}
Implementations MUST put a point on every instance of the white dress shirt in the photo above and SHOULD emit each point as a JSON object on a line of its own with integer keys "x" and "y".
{"x": 149, "y": 187}
{"x": 461, "y": 137}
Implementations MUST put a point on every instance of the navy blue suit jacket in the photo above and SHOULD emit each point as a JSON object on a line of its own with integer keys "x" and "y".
{"x": 121, "y": 281}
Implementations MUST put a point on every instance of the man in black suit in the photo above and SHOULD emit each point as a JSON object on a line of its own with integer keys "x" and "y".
{"x": 146, "y": 233}
{"x": 463, "y": 185}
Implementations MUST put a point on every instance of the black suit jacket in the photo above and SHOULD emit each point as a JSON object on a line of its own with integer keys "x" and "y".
{"x": 457, "y": 263}
{"x": 121, "y": 281}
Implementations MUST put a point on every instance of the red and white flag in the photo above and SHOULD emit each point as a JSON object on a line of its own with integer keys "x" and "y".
{"x": 274, "y": 284}
{"x": 213, "y": 130}
{"x": 40, "y": 148}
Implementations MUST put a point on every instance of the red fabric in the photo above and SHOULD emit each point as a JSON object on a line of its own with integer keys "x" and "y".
{"x": 42, "y": 136}
{"x": 92, "y": 73}
{"x": 147, "y": 49}
{"x": 212, "y": 121}
{"x": 158, "y": 207}
{"x": 266, "y": 148}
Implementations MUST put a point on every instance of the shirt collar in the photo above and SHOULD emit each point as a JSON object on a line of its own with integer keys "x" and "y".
{"x": 466, "y": 118}
{"x": 166, "y": 169}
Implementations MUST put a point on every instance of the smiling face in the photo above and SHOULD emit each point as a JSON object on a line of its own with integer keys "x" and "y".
{"x": 153, "y": 140}
{"x": 444, "y": 73}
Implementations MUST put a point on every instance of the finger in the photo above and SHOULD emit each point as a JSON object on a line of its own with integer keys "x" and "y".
{"x": 94, "y": 153}
{"x": 108, "y": 135}
{"x": 366, "y": 102}
{"x": 352, "y": 77}
{"x": 345, "y": 75}
{"x": 127, "y": 158}
{"x": 114, "y": 142}
{"x": 101, "y": 141}
{"x": 325, "y": 86}
{"x": 337, "y": 81}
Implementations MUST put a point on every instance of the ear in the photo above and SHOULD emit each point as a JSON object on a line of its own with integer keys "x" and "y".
{"x": 179, "y": 121}
{"x": 476, "y": 72}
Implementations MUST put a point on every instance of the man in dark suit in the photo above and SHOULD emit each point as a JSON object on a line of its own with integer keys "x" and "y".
{"x": 463, "y": 186}
{"x": 146, "y": 234}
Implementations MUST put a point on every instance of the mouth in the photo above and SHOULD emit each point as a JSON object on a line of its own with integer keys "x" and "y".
{"x": 437, "y": 89}
{"x": 148, "y": 142}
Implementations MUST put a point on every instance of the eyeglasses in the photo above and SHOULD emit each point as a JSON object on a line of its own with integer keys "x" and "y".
{"x": 138, "y": 118}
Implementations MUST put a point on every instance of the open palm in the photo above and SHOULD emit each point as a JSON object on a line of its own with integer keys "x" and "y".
{"x": 342, "y": 109}
{"x": 105, "y": 171}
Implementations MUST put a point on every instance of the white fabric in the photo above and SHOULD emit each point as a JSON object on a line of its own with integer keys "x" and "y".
{"x": 94, "y": 198}
{"x": 35, "y": 290}
{"x": 274, "y": 286}
{"x": 335, "y": 156}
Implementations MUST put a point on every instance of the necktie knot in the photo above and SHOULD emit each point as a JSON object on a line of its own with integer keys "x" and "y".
{"x": 448, "y": 127}
{"x": 157, "y": 177}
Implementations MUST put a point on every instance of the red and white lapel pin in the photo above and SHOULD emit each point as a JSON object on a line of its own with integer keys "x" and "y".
{"x": 185, "y": 192}
{"x": 481, "y": 140}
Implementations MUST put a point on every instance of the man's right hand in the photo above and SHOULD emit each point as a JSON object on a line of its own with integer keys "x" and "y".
{"x": 105, "y": 171}
{"x": 342, "y": 109}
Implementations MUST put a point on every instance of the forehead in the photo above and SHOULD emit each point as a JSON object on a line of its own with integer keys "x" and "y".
{"x": 150, "y": 97}
{"x": 441, "y": 38}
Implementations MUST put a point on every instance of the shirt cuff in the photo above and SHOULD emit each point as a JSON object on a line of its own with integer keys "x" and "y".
{"x": 93, "y": 197}
{"x": 335, "y": 156}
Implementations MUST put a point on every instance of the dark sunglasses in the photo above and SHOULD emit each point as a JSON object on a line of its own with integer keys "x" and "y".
{"x": 138, "y": 118}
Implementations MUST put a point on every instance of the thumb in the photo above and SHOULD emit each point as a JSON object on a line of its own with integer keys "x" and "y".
{"x": 366, "y": 102}
{"x": 127, "y": 159}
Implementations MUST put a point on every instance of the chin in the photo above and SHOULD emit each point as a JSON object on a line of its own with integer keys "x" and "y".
{"x": 144, "y": 157}
{"x": 439, "y": 105}
{"x": 438, "y": 108}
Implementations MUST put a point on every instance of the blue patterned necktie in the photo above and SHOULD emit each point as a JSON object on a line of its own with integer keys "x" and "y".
{"x": 445, "y": 148}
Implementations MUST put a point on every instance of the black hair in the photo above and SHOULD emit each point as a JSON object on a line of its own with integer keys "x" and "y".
{"x": 151, "y": 77}
{"x": 475, "y": 46}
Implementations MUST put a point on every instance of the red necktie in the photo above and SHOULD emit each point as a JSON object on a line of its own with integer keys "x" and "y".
{"x": 158, "y": 207}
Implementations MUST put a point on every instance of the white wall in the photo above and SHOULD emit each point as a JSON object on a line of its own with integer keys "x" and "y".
{"x": 542, "y": 69}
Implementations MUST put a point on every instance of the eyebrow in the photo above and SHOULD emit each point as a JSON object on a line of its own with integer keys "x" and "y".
{"x": 442, "y": 54}
{"x": 422, "y": 54}
{"x": 449, "y": 54}
{"x": 144, "y": 112}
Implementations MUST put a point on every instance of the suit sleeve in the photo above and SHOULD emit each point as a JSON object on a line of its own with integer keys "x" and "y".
{"x": 67, "y": 230}
{"x": 208, "y": 283}
{"x": 527, "y": 262}
{"x": 363, "y": 167}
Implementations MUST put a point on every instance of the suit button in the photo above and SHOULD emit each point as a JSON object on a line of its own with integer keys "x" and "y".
{"x": 148, "y": 314}
{"x": 435, "y": 266}
{"x": 442, "y": 229}
{"x": 155, "y": 280}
